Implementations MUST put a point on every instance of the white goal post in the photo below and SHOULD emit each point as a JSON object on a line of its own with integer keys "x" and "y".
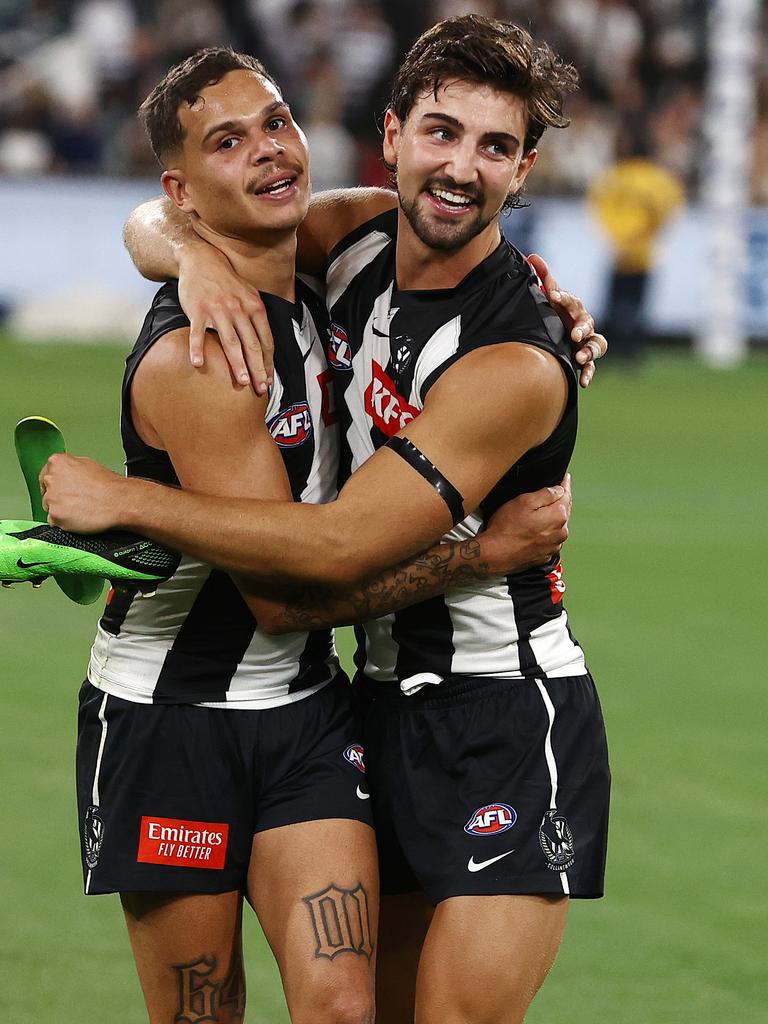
{"x": 729, "y": 116}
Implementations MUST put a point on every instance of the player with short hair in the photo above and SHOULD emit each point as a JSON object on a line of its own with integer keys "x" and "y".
{"x": 214, "y": 761}
{"x": 484, "y": 729}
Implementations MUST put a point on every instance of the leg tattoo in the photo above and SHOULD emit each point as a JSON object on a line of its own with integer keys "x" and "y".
{"x": 341, "y": 921}
{"x": 201, "y": 999}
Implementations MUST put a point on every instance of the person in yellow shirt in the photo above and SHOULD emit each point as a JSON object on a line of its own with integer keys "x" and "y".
{"x": 632, "y": 202}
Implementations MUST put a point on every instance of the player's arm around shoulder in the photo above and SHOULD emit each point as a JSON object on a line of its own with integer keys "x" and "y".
{"x": 213, "y": 429}
{"x": 479, "y": 417}
{"x": 332, "y": 216}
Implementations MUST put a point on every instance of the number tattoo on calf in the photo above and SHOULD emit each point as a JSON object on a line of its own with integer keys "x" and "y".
{"x": 341, "y": 921}
{"x": 201, "y": 999}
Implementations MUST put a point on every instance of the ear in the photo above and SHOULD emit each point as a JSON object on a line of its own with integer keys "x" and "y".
{"x": 392, "y": 129}
{"x": 524, "y": 168}
{"x": 175, "y": 187}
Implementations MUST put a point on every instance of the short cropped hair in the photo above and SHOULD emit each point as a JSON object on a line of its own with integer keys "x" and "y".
{"x": 183, "y": 84}
{"x": 471, "y": 48}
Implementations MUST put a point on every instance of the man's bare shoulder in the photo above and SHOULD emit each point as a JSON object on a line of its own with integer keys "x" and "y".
{"x": 360, "y": 203}
{"x": 333, "y": 215}
{"x": 179, "y": 405}
{"x": 165, "y": 369}
{"x": 513, "y": 364}
{"x": 511, "y": 378}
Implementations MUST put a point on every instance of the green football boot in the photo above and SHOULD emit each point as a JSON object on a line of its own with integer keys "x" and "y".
{"x": 29, "y": 552}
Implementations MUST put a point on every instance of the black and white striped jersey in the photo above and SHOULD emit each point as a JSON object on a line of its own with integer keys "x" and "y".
{"x": 387, "y": 348}
{"x": 196, "y": 641}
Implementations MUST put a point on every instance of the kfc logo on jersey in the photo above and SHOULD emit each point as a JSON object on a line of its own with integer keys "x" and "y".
{"x": 354, "y": 755}
{"x": 556, "y": 583}
{"x": 292, "y": 426}
{"x": 491, "y": 819}
{"x": 339, "y": 352}
{"x": 186, "y": 844}
{"x": 388, "y": 410}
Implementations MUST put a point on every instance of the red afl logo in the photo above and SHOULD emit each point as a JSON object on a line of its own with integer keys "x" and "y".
{"x": 491, "y": 819}
{"x": 339, "y": 352}
{"x": 354, "y": 755}
{"x": 291, "y": 426}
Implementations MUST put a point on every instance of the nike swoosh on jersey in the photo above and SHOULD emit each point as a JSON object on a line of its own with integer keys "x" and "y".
{"x": 362, "y": 795}
{"x": 473, "y": 865}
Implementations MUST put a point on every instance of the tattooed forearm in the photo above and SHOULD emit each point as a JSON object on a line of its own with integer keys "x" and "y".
{"x": 341, "y": 921}
{"x": 442, "y": 567}
{"x": 201, "y": 999}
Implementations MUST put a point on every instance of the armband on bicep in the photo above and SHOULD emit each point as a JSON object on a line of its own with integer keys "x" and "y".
{"x": 416, "y": 460}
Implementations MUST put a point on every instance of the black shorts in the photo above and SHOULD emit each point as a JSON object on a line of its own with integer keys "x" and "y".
{"x": 170, "y": 795}
{"x": 488, "y": 786}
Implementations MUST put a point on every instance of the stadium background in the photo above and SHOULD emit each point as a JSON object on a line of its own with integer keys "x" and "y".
{"x": 665, "y": 562}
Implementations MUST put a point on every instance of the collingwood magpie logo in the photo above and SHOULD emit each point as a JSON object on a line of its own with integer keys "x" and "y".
{"x": 93, "y": 835}
{"x": 556, "y": 841}
{"x": 403, "y": 353}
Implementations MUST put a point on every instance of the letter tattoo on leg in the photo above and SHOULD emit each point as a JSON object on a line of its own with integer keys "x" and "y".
{"x": 341, "y": 921}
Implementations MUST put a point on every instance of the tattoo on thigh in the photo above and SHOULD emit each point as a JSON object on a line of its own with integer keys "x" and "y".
{"x": 201, "y": 999}
{"x": 341, "y": 921}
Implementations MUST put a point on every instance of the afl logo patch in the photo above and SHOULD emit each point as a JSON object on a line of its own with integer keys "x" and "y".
{"x": 354, "y": 755}
{"x": 339, "y": 352}
{"x": 491, "y": 819}
{"x": 291, "y": 426}
{"x": 93, "y": 835}
{"x": 556, "y": 841}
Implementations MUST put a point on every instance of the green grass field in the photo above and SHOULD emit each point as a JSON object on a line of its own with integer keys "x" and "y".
{"x": 664, "y": 568}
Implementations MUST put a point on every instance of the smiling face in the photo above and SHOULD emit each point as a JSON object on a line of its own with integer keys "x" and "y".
{"x": 458, "y": 156}
{"x": 243, "y": 165}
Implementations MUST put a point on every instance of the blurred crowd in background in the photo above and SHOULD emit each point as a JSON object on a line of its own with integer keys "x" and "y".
{"x": 73, "y": 72}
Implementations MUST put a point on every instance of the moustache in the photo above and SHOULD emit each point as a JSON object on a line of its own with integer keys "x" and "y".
{"x": 254, "y": 186}
{"x": 449, "y": 185}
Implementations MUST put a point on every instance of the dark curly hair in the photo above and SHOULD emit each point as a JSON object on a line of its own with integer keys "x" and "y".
{"x": 183, "y": 83}
{"x": 472, "y": 48}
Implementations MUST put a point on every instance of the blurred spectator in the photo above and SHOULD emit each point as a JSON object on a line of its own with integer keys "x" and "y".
{"x": 24, "y": 153}
{"x": 632, "y": 201}
{"x": 25, "y": 144}
{"x": 333, "y": 153}
{"x": 674, "y": 132}
{"x": 569, "y": 161}
{"x": 364, "y": 52}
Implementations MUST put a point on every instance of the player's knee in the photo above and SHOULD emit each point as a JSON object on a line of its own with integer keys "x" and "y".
{"x": 471, "y": 1011}
{"x": 340, "y": 1005}
{"x": 350, "y": 1008}
{"x": 485, "y": 993}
